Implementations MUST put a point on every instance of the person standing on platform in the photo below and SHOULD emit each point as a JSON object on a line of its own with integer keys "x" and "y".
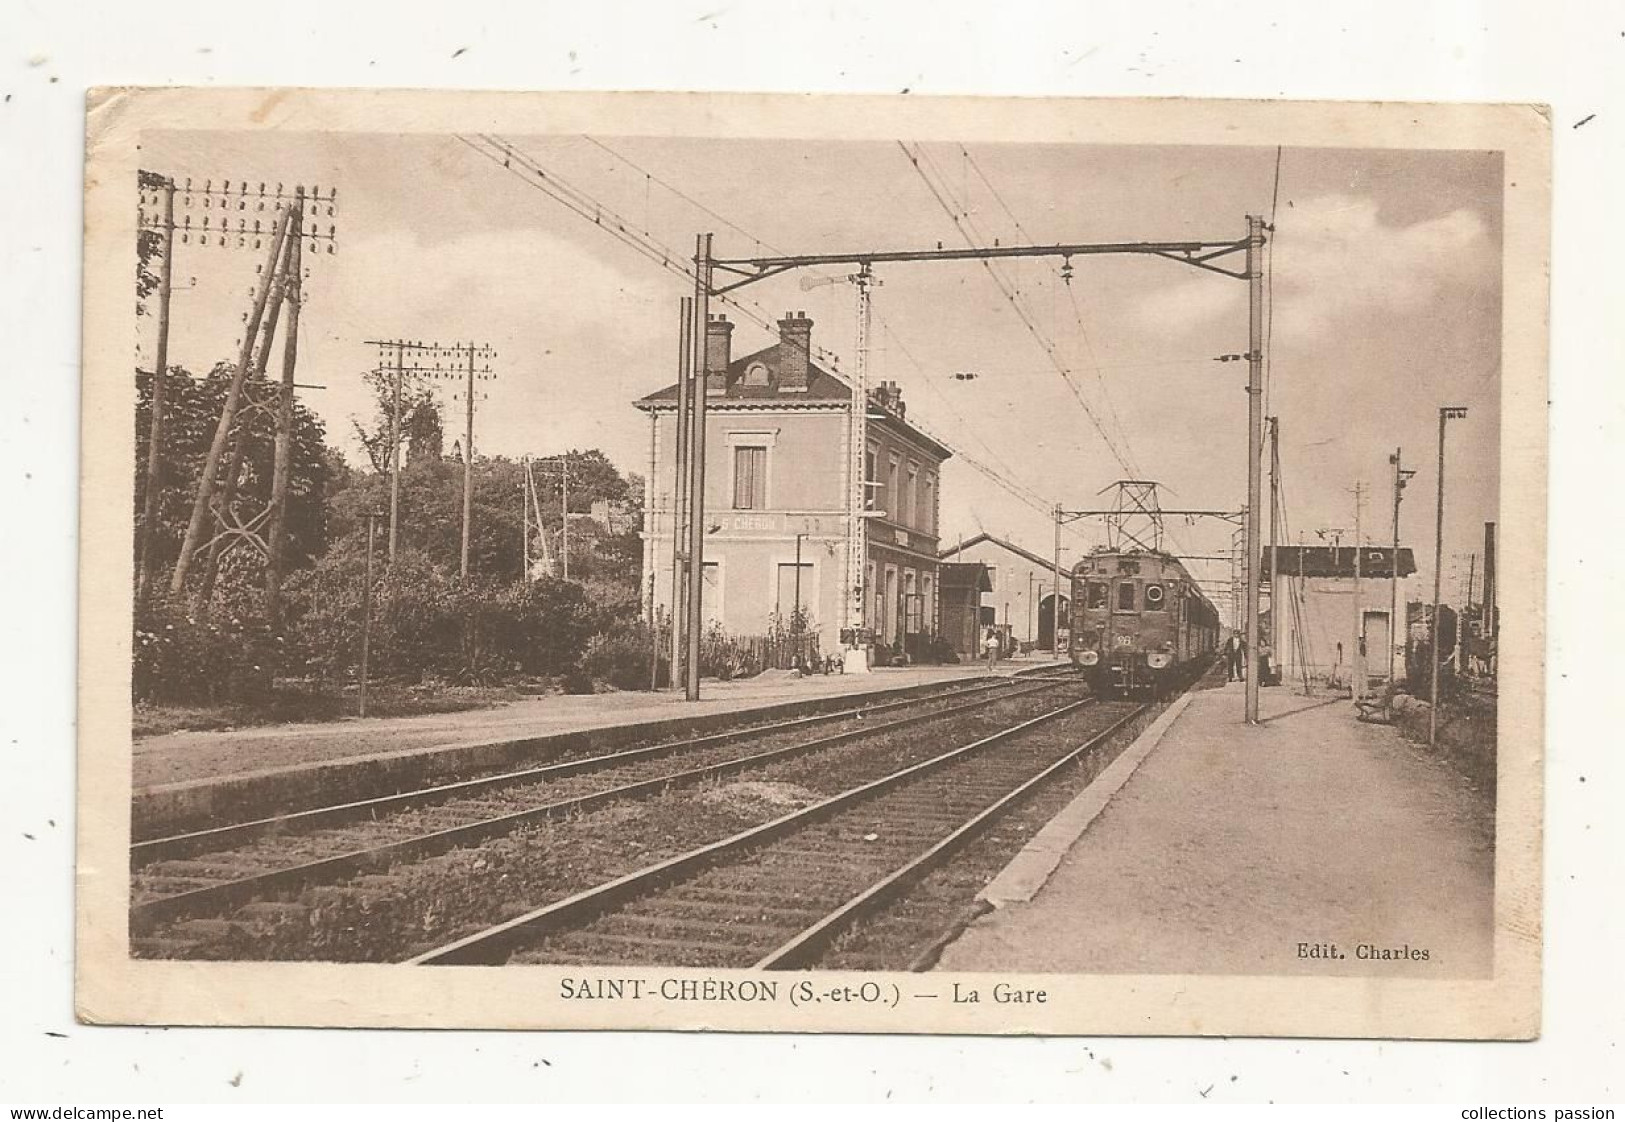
{"x": 1234, "y": 658}
{"x": 990, "y": 647}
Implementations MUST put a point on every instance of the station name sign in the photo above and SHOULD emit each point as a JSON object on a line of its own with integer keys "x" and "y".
{"x": 778, "y": 523}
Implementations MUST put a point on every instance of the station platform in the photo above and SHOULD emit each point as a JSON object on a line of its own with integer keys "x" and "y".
{"x": 185, "y": 776}
{"x": 1212, "y": 847}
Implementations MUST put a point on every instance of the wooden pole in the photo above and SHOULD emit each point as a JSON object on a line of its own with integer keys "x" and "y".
{"x": 366, "y": 611}
{"x": 395, "y": 449}
{"x": 468, "y": 463}
{"x": 282, "y": 461}
{"x": 202, "y": 504}
{"x": 564, "y": 512}
{"x": 239, "y": 441}
{"x": 155, "y": 429}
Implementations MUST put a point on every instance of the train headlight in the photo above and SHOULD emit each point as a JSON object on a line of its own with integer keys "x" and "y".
{"x": 1159, "y": 660}
{"x": 1088, "y": 658}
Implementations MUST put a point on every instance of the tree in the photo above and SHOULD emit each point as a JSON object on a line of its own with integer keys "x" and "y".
{"x": 422, "y": 430}
{"x": 148, "y": 245}
{"x": 191, "y": 411}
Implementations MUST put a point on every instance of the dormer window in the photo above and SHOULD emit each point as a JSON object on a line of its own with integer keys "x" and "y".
{"x": 756, "y": 374}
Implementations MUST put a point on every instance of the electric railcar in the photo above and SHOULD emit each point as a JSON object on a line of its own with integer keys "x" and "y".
{"x": 1139, "y": 622}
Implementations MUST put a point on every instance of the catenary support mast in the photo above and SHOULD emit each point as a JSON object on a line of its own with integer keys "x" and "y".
{"x": 696, "y": 527}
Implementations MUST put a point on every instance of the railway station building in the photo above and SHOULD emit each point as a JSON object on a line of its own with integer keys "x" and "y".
{"x": 1339, "y": 610}
{"x": 1020, "y": 599}
{"x": 776, "y": 495}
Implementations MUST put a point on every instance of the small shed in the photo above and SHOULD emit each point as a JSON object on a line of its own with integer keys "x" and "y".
{"x": 962, "y": 586}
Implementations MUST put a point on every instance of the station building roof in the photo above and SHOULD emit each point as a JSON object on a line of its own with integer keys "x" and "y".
{"x": 1338, "y": 561}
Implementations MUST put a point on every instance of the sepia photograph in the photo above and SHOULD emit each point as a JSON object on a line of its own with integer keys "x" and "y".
{"x": 813, "y": 563}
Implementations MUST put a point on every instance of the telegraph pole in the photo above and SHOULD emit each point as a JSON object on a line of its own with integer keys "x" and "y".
{"x": 443, "y": 363}
{"x": 1446, "y": 413}
{"x": 366, "y": 611}
{"x": 696, "y": 528}
{"x": 395, "y": 449}
{"x": 155, "y": 430}
{"x": 216, "y": 490}
{"x": 468, "y": 465}
{"x": 1255, "y": 416}
{"x": 564, "y": 513}
{"x": 282, "y": 456}
{"x": 203, "y": 503}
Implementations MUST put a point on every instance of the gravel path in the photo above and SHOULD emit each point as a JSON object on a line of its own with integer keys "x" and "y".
{"x": 1231, "y": 846}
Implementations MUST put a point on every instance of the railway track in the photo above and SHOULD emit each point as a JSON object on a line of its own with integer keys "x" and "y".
{"x": 146, "y": 850}
{"x": 778, "y": 895}
{"x": 209, "y": 871}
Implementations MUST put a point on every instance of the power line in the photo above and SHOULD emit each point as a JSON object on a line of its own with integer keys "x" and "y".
{"x": 1125, "y": 456}
{"x": 1046, "y": 344}
{"x": 584, "y": 205}
{"x": 1077, "y": 315}
{"x": 691, "y": 200}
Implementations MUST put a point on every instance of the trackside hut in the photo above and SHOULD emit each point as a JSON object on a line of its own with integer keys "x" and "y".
{"x": 776, "y": 436}
{"x": 1022, "y": 588}
{"x": 1326, "y": 630}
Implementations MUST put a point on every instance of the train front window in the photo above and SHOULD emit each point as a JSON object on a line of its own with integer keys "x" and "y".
{"x": 1125, "y": 596}
{"x": 1094, "y": 596}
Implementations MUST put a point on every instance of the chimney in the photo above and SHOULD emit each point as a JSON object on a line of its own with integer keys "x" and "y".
{"x": 718, "y": 351}
{"x": 795, "y": 347}
{"x": 888, "y": 396}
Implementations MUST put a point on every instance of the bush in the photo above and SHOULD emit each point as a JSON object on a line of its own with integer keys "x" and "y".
{"x": 620, "y": 657}
{"x": 179, "y": 658}
{"x": 426, "y": 623}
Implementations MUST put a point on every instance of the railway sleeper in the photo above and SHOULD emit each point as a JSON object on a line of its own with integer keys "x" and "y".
{"x": 662, "y": 926}
{"x": 726, "y": 952}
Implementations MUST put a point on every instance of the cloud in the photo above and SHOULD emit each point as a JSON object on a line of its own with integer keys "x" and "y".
{"x": 1337, "y": 260}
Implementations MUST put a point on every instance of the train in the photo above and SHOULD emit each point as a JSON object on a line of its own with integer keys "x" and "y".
{"x": 1140, "y": 623}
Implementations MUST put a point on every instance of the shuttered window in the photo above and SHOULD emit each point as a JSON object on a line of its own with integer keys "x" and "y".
{"x": 750, "y": 478}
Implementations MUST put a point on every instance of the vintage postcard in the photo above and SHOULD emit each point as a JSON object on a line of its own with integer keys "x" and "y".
{"x": 813, "y": 563}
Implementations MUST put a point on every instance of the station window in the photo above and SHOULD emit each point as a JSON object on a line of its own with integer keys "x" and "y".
{"x": 871, "y": 478}
{"x": 750, "y": 477}
{"x": 1094, "y": 596}
{"x": 1125, "y": 596}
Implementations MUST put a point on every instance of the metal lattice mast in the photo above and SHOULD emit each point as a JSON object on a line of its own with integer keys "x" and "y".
{"x": 857, "y": 463}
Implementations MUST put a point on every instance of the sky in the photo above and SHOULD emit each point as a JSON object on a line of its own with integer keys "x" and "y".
{"x": 1383, "y": 305}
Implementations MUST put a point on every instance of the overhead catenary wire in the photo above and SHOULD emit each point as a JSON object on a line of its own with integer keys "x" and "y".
{"x": 505, "y": 153}
{"x": 1125, "y": 456}
{"x": 1046, "y": 344}
{"x": 1077, "y": 313}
